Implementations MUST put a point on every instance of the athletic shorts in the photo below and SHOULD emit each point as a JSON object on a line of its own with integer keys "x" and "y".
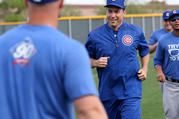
{"x": 123, "y": 109}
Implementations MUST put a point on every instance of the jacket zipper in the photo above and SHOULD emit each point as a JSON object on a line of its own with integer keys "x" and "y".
{"x": 116, "y": 44}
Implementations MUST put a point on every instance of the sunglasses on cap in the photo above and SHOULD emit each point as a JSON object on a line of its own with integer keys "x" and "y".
{"x": 174, "y": 19}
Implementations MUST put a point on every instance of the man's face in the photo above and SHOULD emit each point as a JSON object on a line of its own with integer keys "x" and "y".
{"x": 174, "y": 21}
{"x": 115, "y": 16}
{"x": 167, "y": 25}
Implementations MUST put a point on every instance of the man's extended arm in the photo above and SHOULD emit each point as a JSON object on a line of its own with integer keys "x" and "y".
{"x": 142, "y": 73}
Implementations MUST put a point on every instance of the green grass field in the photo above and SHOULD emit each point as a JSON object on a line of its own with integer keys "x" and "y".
{"x": 152, "y": 106}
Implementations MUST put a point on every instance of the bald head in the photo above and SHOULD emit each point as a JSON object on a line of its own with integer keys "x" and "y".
{"x": 57, "y": 4}
{"x": 42, "y": 1}
{"x": 45, "y": 13}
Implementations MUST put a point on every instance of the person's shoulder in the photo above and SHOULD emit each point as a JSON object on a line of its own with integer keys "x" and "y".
{"x": 166, "y": 37}
{"x": 67, "y": 42}
{"x": 13, "y": 30}
{"x": 71, "y": 47}
{"x": 96, "y": 33}
{"x": 159, "y": 31}
{"x": 10, "y": 34}
{"x": 98, "y": 30}
{"x": 47, "y": 33}
{"x": 133, "y": 28}
{"x": 55, "y": 36}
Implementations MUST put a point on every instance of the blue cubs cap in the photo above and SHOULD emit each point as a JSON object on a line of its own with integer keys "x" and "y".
{"x": 174, "y": 12}
{"x": 42, "y": 1}
{"x": 117, "y": 3}
{"x": 166, "y": 15}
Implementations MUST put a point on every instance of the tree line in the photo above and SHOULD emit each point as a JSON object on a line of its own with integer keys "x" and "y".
{"x": 14, "y": 10}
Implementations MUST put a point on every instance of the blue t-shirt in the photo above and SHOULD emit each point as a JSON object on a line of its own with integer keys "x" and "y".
{"x": 41, "y": 72}
{"x": 156, "y": 35}
{"x": 167, "y": 55}
{"x": 119, "y": 79}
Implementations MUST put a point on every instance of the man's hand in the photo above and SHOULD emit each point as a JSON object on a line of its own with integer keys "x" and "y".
{"x": 160, "y": 74}
{"x": 142, "y": 75}
{"x": 161, "y": 77}
{"x": 101, "y": 62}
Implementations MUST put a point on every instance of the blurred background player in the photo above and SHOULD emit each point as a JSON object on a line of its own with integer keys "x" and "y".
{"x": 166, "y": 62}
{"x": 156, "y": 35}
{"x": 113, "y": 50}
{"x": 42, "y": 71}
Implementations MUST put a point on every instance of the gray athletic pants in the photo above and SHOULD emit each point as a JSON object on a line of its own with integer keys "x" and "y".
{"x": 171, "y": 100}
{"x": 161, "y": 87}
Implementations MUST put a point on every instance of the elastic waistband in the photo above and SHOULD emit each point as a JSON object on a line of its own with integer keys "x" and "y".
{"x": 172, "y": 80}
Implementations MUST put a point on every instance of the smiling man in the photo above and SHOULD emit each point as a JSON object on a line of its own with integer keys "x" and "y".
{"x": 43, "y": 73}
{"x": 113, "y": 51}
{"x": 166, "y": 62}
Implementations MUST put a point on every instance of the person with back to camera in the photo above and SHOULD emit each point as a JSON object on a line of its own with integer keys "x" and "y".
{"x": 156, "y": 35}
{"x": 113, "y": 50}
{"x": 43, "y": 72}
{"x": 166, "y": 62}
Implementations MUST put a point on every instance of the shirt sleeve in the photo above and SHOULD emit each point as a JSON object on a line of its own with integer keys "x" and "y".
{"x": 78, "y": 78}
{"x": 90, "y": 46}
{"x": 158, "y": 55}
{"x": 143, "y": 46}
{"x": 153, "y": 39}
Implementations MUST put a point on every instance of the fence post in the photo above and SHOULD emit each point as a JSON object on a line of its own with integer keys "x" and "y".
{"x": 69, "y": 27}
{"x": 132, "y": 20}
{"x": 105, "y": 21}
{"x": 153, "y": 23}
{"x": 143, "y": 24}
{"x": 90, "y": 24}
{"x": 161, "y": 24}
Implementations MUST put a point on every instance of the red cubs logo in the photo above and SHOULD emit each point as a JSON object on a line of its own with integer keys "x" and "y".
{"x": 174, "y": 11}
{"x": 127, "y": 40}
{"x": 167, "y": 14}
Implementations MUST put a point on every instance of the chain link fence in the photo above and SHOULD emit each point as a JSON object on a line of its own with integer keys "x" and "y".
{"x": 79, "y": 27}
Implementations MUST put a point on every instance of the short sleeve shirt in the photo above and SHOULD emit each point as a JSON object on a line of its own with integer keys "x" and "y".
{"x": 41, "y": 72}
